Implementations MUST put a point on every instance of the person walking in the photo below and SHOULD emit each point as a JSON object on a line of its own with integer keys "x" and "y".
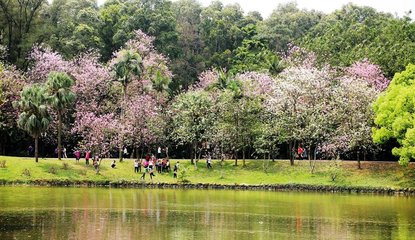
{"x": 64, "y": 152}
{"x": 136, "y": 166}
{"x": 87, "y": 156}
{"x": 96, "y": 163}
{"x": 175, "y": 169}
{"x": 77, "y": 154}
{"x": 209, "y": 162}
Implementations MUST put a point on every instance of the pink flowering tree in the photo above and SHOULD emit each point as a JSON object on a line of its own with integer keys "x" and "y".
{"x": 302, "y": 108}
{"x": 11, "y": 84}
{"x": 44, "y": 61}
{"x": 299, "y": 57}
{"x": 141, "y": 71}
{"x": 355, "y": 115}
{"x": 369, "y": 73}
{"x": 95, "y": 121}
{"x": 98, "y": 133}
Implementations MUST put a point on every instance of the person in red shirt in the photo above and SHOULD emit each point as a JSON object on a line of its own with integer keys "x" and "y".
{"x": 300, "y": 151}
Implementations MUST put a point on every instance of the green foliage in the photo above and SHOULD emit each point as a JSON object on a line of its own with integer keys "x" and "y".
{"x": 193, "y": 117}
{"x": 34, "y": 117}
{"x": 183, "y": 174}
{"x": 74, "y": 27}
{"x": 65, "y": 166}
{"x": 253, "y": 55}
{"x": 21, "y": 25}
{"x": 354, "y": 33}
{"x": 154, "y": 17}
{"x": 26, "y": 172}
{"x": 59, "y": 86}
{"x": 127, "y": 64}
{"x": 53, "y": 170}
{"x": 287, "y": 24}
{"x": 395, "y": 117}
{"x": 335, "y": 170}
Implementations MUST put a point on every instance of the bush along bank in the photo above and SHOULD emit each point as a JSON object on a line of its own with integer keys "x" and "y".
{"x": 213, "y": 186}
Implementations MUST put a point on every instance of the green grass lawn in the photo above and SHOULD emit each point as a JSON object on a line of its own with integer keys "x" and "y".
{"x": 373, "y": 174}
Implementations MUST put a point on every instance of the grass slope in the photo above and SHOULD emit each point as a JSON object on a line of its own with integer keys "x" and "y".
{"x": 373, "y": 174}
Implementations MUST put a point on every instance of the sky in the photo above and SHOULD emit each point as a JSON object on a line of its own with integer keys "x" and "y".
{"x": 265, "y": 7}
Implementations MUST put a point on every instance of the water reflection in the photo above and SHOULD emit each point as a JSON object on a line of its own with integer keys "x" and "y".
{"x": 82, "y": 213}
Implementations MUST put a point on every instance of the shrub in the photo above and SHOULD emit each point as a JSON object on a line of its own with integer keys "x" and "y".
{"x": 53, "y": 170}
{"x": 65, "y": 166}
{"x": 182, "y": 175}
{"x": 26, "y": 172}
{"x": 335, "y": 170}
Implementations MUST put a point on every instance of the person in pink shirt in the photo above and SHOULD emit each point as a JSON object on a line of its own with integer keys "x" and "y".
{"x": 87, "y": 157}
{"x": 77, "y": 154}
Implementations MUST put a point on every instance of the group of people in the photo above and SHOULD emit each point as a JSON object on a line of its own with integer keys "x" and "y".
{"x": 152, "y": 164}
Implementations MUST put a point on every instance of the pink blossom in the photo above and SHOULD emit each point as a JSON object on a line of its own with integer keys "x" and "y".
{"x": 370, "y": 73}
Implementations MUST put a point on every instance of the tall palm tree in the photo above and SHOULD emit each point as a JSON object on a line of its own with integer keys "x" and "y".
{"x": 127, "y": 64}
{"x": 34, "y": 117}
{"x": 59, "y": 86}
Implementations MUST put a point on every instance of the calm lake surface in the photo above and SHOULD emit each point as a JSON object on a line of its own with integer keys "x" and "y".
{"x": 99, "y": 213}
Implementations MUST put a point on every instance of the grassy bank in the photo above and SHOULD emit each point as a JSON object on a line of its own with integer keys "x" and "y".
{"x": 256, "y": 172}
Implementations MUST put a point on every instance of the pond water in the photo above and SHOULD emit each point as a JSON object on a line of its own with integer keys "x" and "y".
{"x": 100, "y": 213}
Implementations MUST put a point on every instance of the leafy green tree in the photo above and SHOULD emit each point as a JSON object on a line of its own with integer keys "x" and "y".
{"x": 189, "y": 62}
{"x": 21, "y": 25}
{"x": 74, "y": 27}
{"x": 154, "y": 17}
{"x": 394, "y": 110}
{"x": 287, "y": 24}
{"x": 354, "y": 33}
{"x": 254, "y": 55}
{"x": 61, "y": 97}
{"x": 221, "y": 32}
{"x": 193, "y": 119}
{"x": 34, "y": 117}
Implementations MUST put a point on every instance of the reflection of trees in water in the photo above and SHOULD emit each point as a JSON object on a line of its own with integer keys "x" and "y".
{"x": 183, "y": 214}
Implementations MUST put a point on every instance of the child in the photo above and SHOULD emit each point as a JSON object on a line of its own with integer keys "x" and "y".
{"x": 77, "y": 154}
{"x": 152, "y": 174}
{"x": 136, "y": 166}
{"x": 175, "y": 169}
{"x": 209, "y": 162}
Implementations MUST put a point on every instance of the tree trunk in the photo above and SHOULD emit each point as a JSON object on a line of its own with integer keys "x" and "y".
{"x": 37, "y": 148}
{"x": 312, "y": 160}
{"x": 358, "y": 161}
{"x": 195, "y": 157}
{"x": 291, "y": 152}
{"x": 137, "y": 154}
{"x": 59, "y": 136}
{"x": 236, "y": 157}
{"x": 191, "y": 153}
{"x": 243, "y": 157}
{"x": 120, "y": 153}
